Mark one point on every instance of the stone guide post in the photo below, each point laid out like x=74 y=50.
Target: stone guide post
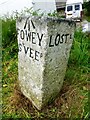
x=44 y=46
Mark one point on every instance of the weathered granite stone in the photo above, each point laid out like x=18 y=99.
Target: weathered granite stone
x=44 y=46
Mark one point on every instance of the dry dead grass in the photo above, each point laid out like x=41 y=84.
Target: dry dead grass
x=67 y=104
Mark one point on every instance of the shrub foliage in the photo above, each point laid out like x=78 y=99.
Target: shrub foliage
x=87 y=7
x=8 y=32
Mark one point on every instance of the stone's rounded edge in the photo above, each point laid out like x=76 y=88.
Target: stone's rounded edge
x=48 y=18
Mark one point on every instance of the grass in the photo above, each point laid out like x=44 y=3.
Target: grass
x=72 y=101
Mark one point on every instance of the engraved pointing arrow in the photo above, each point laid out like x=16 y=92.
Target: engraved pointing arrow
x=28 y=23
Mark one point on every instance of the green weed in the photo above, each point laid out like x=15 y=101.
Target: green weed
x=8 y=32
x=79 y=53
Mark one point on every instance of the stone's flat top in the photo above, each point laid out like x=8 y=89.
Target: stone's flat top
x=48 y=18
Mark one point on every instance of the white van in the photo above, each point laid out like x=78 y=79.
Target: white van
x=74 y=9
